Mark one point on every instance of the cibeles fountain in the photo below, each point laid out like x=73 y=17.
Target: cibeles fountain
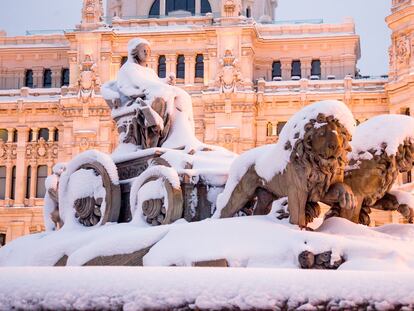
x=163 y=198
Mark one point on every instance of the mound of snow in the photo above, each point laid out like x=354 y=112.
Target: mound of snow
x=385 y=132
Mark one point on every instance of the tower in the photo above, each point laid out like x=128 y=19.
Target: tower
x=92 y=14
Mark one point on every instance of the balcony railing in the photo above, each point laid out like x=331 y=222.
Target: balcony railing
x=296 y=21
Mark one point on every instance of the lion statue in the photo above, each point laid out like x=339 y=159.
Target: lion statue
x=306 y=165
x=382 y=147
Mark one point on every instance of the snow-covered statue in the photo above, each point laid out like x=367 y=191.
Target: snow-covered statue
x=306 y=165
x=149 y=111
x=382 y=147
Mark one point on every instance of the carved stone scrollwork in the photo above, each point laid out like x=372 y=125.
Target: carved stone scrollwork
x=89 y=209
x=229 y=77
x=403 y=50
x=88 y=79
x=42 y=150
x=8 y=151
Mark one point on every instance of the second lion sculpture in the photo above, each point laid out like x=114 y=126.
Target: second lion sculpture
x=306 y=165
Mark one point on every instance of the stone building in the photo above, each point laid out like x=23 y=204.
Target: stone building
x=246 y=71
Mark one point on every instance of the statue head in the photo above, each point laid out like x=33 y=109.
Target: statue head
x=139 y=51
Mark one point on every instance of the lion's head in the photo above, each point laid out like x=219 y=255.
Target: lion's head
x=322 y=153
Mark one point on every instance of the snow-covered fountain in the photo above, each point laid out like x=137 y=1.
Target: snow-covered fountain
x=163 y=198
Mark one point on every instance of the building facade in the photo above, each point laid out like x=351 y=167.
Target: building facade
x=246 y=71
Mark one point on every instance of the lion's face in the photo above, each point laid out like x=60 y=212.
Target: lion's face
x=327 y=141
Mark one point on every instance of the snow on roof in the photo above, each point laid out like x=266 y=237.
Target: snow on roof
x=384 y=131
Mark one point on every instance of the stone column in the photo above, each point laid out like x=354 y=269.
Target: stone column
x=162 y=8
x=49 y=168
x=286 y=65
x=325 y=67
x=9 y=168
x=37 y=77
x=10 y=133
x=206 y=60
x=33 y=182
x=20 y=77
x=21 y=170
x=189 y=69
x=171 y=63
x=35 y=133
x=51 y=134
x=197 y=7
x=56 y=77
x=306 y=65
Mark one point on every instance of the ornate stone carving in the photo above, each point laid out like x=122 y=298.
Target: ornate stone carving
x=309 y=260
x=229 y=78
x=92 y=13
x=42 y=150
x=88 y=79
x=403 y=50
x=314 y=173
x=8 y=151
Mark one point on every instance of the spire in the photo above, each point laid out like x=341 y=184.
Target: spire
x=92 y=14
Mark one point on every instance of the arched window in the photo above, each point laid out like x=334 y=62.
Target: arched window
x=65 y=77
x=180 y=67
x=205 y=7
x=269 y=129
x=30 y=136
x=43 y=133
x=47 y=78
x=162 y=66
x=155 y=9
x=180 y=5
x=2 y=182
x=4 y=135
x=15 y=136
x=13 y=184
x=248 y=12
x=40 y=183
x=276 y=70
x=296 y=69
x=316 y=68
x=28 y=181
x=199 y=66
x=28 y=78
x=280 y=126
x=56 y=135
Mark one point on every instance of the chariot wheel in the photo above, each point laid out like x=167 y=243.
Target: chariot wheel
x=156 y=196
x=92 y=196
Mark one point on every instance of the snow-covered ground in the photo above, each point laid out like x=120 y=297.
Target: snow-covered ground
x=169 y=288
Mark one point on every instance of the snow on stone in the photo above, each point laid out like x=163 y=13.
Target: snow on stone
x=377 y=133
x=270 y=160
x=256 y=241
x=126 y=288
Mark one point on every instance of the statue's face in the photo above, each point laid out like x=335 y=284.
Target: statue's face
x=327 y=142
x=142 y=53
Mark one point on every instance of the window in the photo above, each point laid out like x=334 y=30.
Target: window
x=43 y=133
x=269 y=129
x=30 y=138
x=276 y=70
x=56 y=135
x=280 y=127
x=2 y=182
x=248 y=12
x=296 y=69
x=28 y=181
x=162 y=67
x=316 y=68
x=199 y=66
x=15 y=136
x=65 y=77
x=205 y=7
x=41 y=178
x=4 y=135
x=180 y=67
x=47 y=78
x=124 y=60
x=13 y=184
x=28 y=78
x=181 y=5
x=2 y=239
x=155 y=8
